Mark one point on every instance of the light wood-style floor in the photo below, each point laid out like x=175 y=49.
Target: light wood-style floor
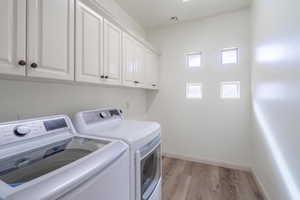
x=184 y=180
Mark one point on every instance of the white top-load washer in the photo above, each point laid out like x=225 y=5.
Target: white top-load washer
x=46 y=159
x=144 y=142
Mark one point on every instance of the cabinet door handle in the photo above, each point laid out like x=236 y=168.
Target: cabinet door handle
x=22 y=62
x=34 y=65
x=102 y=76
x=136 y=82
x=154 y=85
x=106 y=77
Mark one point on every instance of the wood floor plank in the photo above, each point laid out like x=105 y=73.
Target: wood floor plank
x=188 y=168
x=229 y=180
x=173 y=179
x=201 y=183
x=253 y=187
x=182 y=188
x=245 y=190
x=184 y=180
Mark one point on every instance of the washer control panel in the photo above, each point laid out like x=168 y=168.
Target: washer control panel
x=14 y=132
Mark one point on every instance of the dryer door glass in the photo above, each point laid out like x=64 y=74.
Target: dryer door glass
x=24 y=167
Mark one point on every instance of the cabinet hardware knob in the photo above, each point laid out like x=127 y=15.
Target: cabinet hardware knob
x=22 y=62
x=154 y=85
x=106 y=77
x=34 y=65
x=136 y=82
x=102 y=76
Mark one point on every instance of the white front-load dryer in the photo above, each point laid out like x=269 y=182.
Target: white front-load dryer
x=144 y=143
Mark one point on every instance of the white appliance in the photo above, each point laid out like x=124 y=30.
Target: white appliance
x=144 y=142
x=45 y=159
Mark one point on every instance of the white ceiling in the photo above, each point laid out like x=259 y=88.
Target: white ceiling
x=151 y=13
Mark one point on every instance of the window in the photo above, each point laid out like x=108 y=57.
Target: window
x=193 y=60
x=230 y=56
x=230 y=90
x=194 y=90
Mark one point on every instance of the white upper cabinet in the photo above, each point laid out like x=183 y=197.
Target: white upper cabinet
x=89 y=45
x=98 y=48
x=13 y=37
x=38 y=37
x=112 y=53
x=51 y=39
x=134 y=62
x=151 y=68
x=128 y=60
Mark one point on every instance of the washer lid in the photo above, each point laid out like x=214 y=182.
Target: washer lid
x=27 y=166
x=58 y=174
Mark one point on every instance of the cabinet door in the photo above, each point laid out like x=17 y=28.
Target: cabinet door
x=151 y=68
x=154 y=71
x=51 y=39
x=128 y=60
x=112 y=53
x=139 y=69
x=89 y=45
x=12 y=36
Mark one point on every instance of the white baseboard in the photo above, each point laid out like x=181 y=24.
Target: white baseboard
x=210 y=162
x=261 y=187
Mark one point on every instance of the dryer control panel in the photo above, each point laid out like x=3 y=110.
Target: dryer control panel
x=23 y=130
x=102 y=115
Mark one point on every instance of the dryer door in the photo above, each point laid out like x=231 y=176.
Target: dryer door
x=149 y=169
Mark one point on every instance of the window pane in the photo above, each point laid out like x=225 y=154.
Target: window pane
x=230 y=56
x=194 y=60
x=194 y=90
x=230 y=90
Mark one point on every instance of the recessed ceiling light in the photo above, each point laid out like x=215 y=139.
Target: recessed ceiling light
x=184 y=1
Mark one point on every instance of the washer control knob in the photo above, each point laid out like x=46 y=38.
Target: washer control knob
x=103 y=115
x=22 y=131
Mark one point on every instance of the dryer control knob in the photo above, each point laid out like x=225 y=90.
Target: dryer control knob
x=103 y=115
x=22 y=131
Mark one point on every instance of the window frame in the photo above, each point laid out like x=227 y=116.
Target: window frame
x=187 y=89
x=230 y=49
x=187 y=60
x=238 y=83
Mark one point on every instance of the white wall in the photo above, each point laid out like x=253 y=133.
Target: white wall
x=123 y=17
x=210 y=129
x=276 y=96
x=21 y=99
